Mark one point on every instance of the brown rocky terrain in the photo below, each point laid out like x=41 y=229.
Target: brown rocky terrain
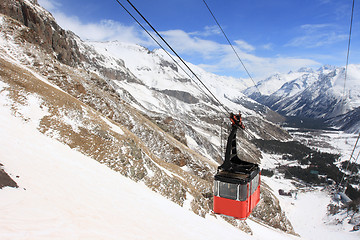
x=85 y=110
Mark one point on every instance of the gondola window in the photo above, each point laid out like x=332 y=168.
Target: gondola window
x=228 y=190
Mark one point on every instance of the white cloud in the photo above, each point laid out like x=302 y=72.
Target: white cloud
x=49 y=4
x=193 y=46
x=268 y=46
x=185 y=43
x=244 y=46
x=258 y=67
x=207 y=31
x=220 y=58
x=317 y=35
x=105 y=30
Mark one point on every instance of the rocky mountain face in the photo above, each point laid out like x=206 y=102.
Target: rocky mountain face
x=45 y=32
x=313 y=94
x=348 y=122
x=127 y=107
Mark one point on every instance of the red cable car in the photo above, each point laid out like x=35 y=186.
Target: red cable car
x=237 y=182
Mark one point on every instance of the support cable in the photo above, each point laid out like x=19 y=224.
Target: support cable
x=179 y=57
x=351 y=171
x=233 y=48
x=357 y=157
x=357 y=140
x=348 y=49
x=168 y=45
x=157 y=42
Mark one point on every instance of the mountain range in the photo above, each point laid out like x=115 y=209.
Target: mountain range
x=129 y=108
x=323 y=95
x=137 y=112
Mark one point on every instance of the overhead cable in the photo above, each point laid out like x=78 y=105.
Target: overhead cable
x=157 y=42
x=348 y=49
x=168 y=45
x=357 y=140
x=233 y=48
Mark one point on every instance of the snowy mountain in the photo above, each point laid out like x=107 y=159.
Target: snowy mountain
x=126 y=107
x=312 y=94
x=78 y=117
x=74 y=197
x=348 y=122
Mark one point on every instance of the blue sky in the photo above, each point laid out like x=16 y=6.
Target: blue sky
x=270 y=36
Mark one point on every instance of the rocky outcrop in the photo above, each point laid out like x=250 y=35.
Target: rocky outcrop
x=45 y=31
x=42 y=30
x=6 y=180
x=153 y=149
x=182 y=96
x=269 y=212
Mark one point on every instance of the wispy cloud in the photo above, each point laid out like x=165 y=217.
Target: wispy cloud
x=259 y=67
x=244 y=45
x=268 y=46
x=49 y=4
x=186 y=43
x=105 y=30
x=195 y=47
x=207 y=31
x=220 y=58
x=317 y=35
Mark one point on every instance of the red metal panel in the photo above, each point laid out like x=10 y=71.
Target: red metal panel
x=254 y=199
x=236 y=209
x=229 y=207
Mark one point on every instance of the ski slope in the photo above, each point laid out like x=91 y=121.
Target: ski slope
x=308 y=212
x=63 y=194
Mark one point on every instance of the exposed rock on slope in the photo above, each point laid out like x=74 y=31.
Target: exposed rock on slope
x=83 y=128
x=5 y=179
x=150 y=133
x=43 y=30
x=348 y=122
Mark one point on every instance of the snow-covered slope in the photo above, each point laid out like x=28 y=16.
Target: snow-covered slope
x=162 y=88
x=167 y=139
x=312 y=94
x=63 y=194
x=308 y=212
x=157 y=71
x=138 y=116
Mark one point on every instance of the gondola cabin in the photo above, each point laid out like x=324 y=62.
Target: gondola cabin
x=236 y=193
x=237 y=182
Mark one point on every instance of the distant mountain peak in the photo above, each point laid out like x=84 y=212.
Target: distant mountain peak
x=305 y=70
x=326 y=67
x=311 y=94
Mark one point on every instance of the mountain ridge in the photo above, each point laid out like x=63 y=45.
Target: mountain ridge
x=100 y=112
x=312 y=94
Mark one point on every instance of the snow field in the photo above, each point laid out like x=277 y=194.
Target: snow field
x=63 y=194
x=307 y=213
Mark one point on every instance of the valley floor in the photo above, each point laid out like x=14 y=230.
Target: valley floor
x=336 y=142
x=307 y=212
